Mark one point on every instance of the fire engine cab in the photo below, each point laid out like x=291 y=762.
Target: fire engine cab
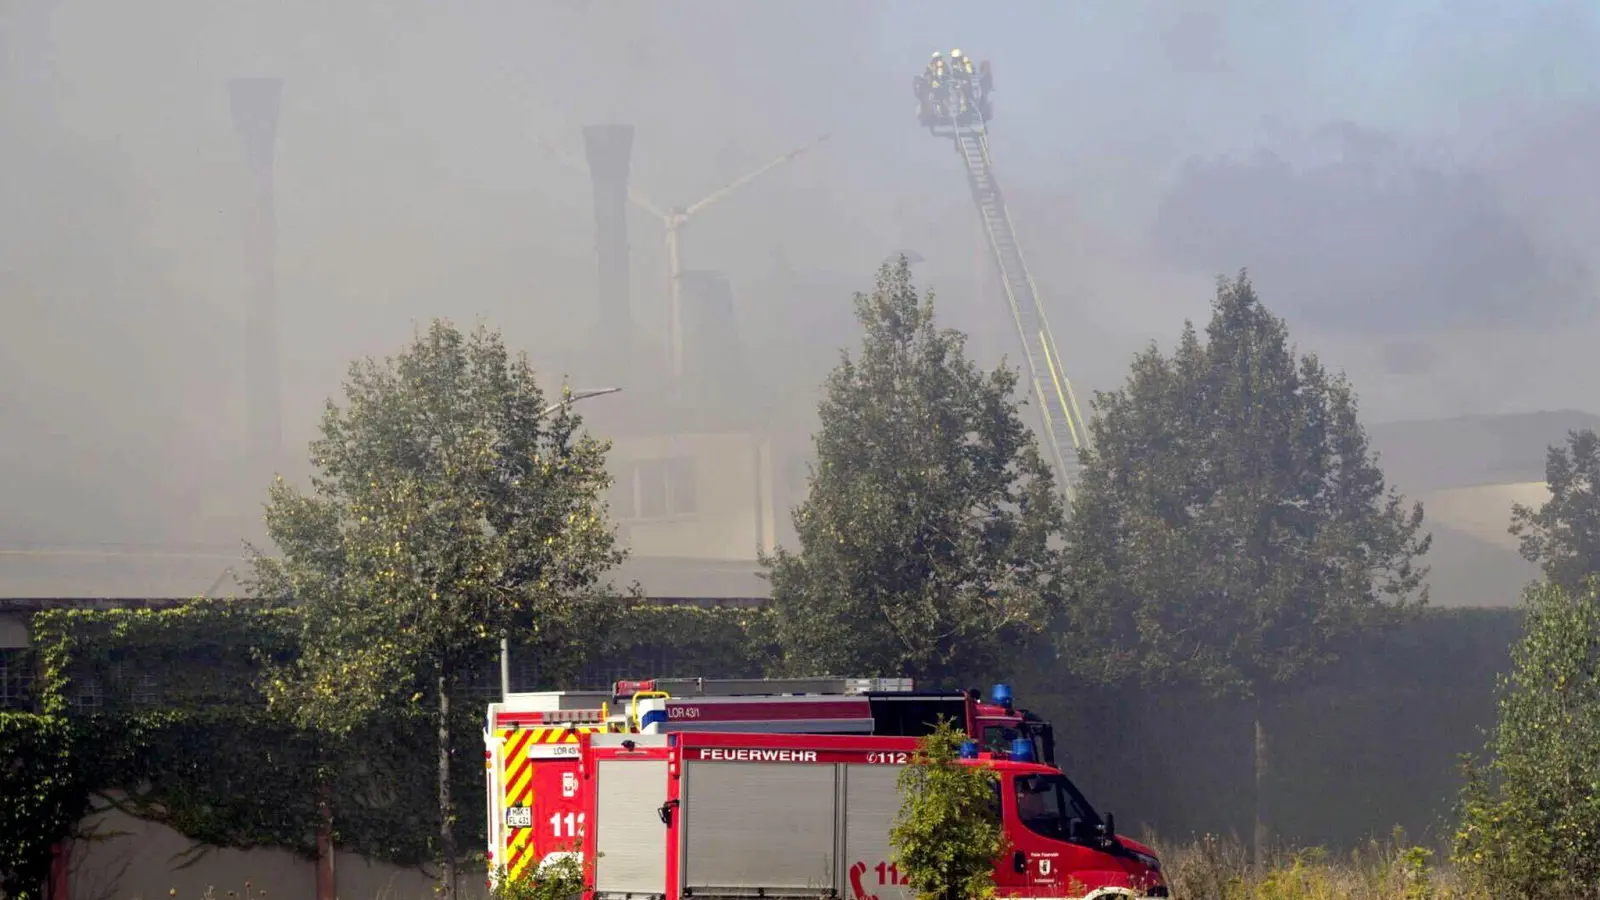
x=727 y=815
x=534 y=802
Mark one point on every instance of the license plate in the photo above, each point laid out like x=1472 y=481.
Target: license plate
x=519 y=817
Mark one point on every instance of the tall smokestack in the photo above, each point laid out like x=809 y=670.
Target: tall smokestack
x=609 y=149
x=255 y=103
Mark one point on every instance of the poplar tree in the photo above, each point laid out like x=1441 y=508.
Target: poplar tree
x=925 y=539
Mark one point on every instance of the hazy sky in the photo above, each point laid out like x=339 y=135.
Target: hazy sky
x=1413 y=183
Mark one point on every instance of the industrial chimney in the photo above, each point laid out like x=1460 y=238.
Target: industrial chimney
x=255 y=104
x=609 y=149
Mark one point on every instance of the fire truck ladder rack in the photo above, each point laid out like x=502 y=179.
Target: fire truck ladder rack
x=686 y=688
x=1063 y=423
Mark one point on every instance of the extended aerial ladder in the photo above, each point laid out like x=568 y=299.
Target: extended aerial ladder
x=1064 y=431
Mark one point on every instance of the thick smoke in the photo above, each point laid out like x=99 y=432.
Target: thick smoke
x=411 y=185
x=1375 y=240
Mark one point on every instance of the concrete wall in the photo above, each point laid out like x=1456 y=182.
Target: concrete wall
x=130 y=859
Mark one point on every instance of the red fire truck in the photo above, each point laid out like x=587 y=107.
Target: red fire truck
x=531 y=739
x=727 y=815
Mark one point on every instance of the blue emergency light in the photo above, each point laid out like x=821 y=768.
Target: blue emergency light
x=1022 y=749
x=969 y=749
x=1000 y=694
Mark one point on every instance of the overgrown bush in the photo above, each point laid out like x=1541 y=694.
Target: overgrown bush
x=947 y=833
x=562 y=878
x=1530 y=817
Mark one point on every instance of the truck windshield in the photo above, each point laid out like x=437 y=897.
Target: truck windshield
x=1051 y=806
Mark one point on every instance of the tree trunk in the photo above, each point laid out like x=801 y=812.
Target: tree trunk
x=326 y=886
x=447 y=841
x=1262 y=832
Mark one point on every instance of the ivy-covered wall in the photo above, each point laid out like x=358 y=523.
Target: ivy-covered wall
x=158 y=712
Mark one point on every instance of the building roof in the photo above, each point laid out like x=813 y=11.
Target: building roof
x=124 y=571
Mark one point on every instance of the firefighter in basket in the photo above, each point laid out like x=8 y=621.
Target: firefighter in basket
x=930 y=86
x=962 y=95
x=954 y=90
x=960 y=64
x=974 y=83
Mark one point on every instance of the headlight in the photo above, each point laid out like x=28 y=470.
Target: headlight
x=1148 y=860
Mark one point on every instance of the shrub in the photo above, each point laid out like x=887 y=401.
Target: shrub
x=1530 y=818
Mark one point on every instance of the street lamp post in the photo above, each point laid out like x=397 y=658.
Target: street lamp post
x=505 y=639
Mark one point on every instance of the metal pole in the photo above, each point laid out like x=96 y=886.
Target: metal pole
x=505 y=639
x=505 y=666
x=675 y=307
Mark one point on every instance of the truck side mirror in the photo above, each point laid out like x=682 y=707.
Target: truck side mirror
x=1019 y=861
x=1111 y=825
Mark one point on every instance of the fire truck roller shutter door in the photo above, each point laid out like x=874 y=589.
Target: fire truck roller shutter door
x=872 y=798
x=759 y=825
x=629 y=838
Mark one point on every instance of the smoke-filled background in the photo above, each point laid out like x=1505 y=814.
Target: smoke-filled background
x=1412 y=183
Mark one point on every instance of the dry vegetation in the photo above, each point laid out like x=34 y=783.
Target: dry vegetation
x=1214 y=868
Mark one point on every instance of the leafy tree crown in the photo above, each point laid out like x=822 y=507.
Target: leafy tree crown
x=1231 y=527
x=926 y=534
x=447 y=507
x=1563 y=534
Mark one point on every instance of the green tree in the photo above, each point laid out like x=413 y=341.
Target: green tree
x=1563 y=534
x=1231 y=529
x=448 y=507
x=43 y=795
x=947 y=835
x=925 y=537
x=1531 y=817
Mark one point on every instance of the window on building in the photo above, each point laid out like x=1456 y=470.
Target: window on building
x=654 y=489
x=90 y=694
x=144 y=687
x=16 y=679
x=678 y=474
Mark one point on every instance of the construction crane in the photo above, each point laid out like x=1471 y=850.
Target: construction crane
x=1064 y=431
